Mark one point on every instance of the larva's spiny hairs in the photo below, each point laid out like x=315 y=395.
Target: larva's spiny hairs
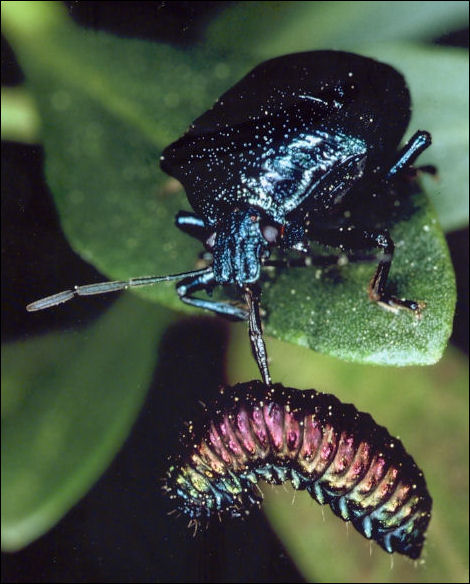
x=339 y=455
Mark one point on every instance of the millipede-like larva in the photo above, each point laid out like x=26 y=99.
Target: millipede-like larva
x=341 y=456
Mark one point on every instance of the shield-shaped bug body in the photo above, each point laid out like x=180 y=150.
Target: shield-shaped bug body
x=271 y=162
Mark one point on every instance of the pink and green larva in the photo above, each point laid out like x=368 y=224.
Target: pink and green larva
x=339 y=455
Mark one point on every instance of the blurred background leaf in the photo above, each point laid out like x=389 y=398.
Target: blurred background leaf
x=20 y=119
x=275 y=28
x=61 y=426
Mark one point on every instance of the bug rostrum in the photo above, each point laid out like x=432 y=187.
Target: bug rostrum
x=271 y=162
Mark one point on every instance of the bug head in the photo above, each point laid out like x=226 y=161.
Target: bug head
x=241 y=241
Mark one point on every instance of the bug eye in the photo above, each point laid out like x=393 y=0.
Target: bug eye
x=270 y=233
x=210 y=241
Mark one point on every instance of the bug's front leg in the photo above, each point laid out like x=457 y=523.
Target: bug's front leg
x=355 y=238
x=205 y=281
x=193 y=225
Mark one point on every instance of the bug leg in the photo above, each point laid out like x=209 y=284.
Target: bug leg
x=354 y=238
x=192 y=225
x=427 y=169
x=410 y=152
x=377 y=291
x=252 y=295
x=205 y=281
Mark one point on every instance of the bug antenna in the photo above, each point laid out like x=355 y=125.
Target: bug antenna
x=105 y=287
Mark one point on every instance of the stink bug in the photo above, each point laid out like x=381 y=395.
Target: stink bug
x=270 y=164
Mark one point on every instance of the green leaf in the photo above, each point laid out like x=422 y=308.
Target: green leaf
x=20 y=118
x=427 y=408
x=105 y=121
x=269 y=29
x=68 y=402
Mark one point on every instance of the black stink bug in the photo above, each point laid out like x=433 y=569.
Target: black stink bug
x=272 y=161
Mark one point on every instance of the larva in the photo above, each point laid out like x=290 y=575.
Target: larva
x=339 y=455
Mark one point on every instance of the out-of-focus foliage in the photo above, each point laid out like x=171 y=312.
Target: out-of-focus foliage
x=68 y=402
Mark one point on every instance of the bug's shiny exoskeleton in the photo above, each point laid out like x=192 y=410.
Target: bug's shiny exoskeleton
x=272 y=163
x=277 y=434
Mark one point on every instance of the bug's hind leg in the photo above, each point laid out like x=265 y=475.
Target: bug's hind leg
x=377 y=286
x=355 y=238
x=205 y=281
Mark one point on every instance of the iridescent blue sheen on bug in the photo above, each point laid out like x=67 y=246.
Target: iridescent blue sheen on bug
x=277 y=434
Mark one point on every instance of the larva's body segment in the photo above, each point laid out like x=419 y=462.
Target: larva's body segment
x=339 y=455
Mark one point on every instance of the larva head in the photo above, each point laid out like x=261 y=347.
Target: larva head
x=190 y=490
x=200 y=493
